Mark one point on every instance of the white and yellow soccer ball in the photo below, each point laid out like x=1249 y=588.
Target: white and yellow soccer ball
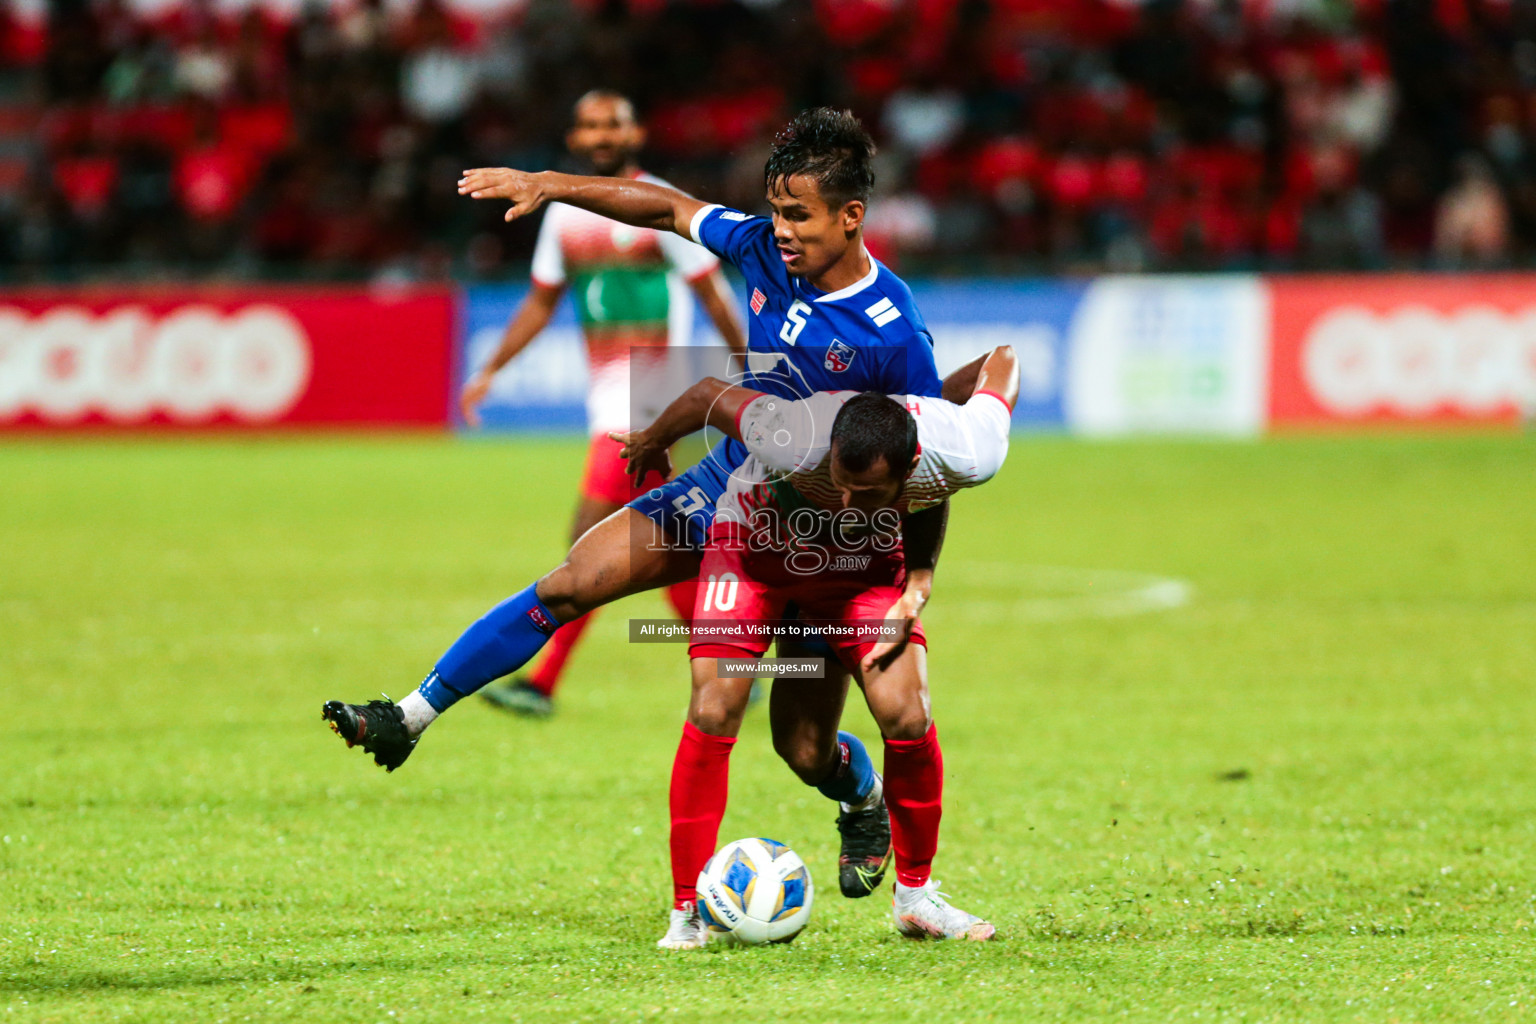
x=755 y=891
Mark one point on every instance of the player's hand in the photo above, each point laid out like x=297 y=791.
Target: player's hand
x=644 y=456
x=904 y=612
x=470 y=398
x=521 y=189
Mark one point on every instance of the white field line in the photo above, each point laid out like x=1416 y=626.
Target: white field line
x=1050 y=593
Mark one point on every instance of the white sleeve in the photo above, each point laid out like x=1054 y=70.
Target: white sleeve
x=786 y=435
x=961 y=446
x=548 y=259
x=698 y=221
x=989 y=419
x=690 y=259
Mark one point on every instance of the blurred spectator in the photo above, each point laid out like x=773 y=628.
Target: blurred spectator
x=1472 y=223
x=923 y=117
x=1341 y=227
x=1360 y=113
x=212 y=174
x=437 y=78
x=157 y=137
x=364 y=27
x=204 y=67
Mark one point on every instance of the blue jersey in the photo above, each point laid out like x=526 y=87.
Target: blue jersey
x=868 y=336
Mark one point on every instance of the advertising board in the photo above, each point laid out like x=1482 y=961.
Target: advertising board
x=1402 y=349
x=224 y=358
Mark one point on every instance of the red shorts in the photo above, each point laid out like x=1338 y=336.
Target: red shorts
x=607 y=475
x=740 y=589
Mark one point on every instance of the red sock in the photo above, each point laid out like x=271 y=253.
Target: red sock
x=682 y=595
x=700 y=776
x=546 y=674
x=914 y=792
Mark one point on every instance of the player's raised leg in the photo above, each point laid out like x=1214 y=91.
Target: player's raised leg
x=804 y=716
x=533 y=694
x=914 y=789
x=624 y=554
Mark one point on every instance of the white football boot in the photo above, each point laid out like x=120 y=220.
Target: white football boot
x=924 y=913
x=684 y=930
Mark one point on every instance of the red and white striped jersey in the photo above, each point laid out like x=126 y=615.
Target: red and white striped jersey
x=629 y=288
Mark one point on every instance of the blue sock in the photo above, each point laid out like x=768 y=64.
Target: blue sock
x=503 y=640
x=854 y=777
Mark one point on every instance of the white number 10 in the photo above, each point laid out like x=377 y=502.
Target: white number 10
x=720 y=594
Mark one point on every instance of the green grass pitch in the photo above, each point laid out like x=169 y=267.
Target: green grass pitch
x=1233 y=732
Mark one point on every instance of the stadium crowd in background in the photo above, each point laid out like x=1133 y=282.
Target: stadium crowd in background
x=1016 y=135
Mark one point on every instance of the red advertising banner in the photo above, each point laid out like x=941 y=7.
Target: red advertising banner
x=225 y=358
x=1402 y=349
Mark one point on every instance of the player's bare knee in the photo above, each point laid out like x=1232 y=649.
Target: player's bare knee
x=717 y=705
x=805 y=757
x=905 y=724
x=556 y=591
x=568 y=591
x=715 y=715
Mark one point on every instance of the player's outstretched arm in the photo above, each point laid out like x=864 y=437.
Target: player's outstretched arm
x=711 y=401
x=639 y=203
x=532 y=316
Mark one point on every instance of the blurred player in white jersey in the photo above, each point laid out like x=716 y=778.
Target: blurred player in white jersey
x=631 y=290
x=813 y=517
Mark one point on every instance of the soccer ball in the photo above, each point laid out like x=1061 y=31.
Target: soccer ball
x=756 y=891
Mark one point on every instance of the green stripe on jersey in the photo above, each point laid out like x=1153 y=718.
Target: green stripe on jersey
x=621 y=295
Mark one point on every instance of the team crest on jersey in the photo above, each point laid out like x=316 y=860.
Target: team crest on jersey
x=758 y=299
x=839 y=356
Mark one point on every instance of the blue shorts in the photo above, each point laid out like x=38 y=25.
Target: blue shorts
x=685 y=506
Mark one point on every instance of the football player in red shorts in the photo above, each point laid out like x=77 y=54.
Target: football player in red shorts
x=813 y=518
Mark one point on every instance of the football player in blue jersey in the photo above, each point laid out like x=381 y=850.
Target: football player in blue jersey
x=825 y=315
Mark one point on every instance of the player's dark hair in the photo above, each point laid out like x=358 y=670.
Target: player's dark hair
x=831 y=148
x=871 y=426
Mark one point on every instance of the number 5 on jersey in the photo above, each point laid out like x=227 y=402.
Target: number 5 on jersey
x=694 y=501
x=794 y=322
